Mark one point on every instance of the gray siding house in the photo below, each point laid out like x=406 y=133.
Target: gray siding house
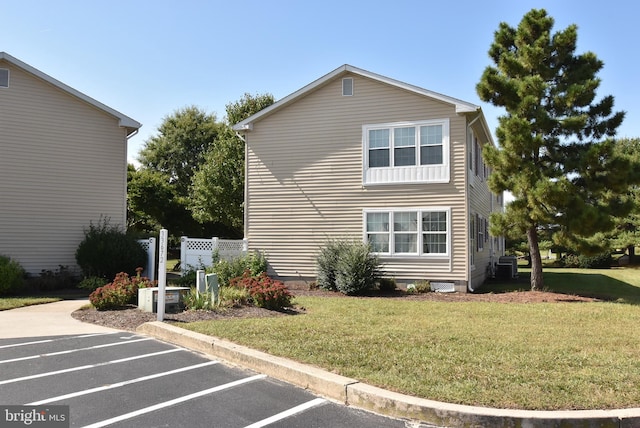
x=63 y=163
x=359 y=155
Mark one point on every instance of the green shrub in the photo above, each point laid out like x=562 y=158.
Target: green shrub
x=357 y=270
x=106 y=250
x=122 y=291
x=187 y=279
x=11 y=276
x=570 y=261
x=198 y=301
x=423 y=286
x=327 y=262
x=599 y=261
x=265 y=291
x=347 y=266
x=226 y=270
x=256 y=262
x=92 y=283
x=49 y=280
x=234 y=296
x=387 y=285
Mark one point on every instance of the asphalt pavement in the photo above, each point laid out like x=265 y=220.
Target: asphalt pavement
x=120 y=379
x=53 y=321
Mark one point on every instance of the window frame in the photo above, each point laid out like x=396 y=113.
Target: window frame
x=347 y=87
x=391 y=233
x=480 y=225
x=416 y=173
x=6 y=76
x=472 y=242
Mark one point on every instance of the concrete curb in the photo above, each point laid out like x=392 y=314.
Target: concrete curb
x=354 y=393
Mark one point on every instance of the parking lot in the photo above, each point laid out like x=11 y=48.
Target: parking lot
x=122 y=380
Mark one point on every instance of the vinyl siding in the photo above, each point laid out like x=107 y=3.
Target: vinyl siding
x=62 y=165
x=481 y=202
x=304 y=177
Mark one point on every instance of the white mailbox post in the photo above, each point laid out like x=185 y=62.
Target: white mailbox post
x=162 y=272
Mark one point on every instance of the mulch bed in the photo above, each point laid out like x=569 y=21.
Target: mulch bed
x=130 y=317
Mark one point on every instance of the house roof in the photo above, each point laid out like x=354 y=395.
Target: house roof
x=124 y=121
x=460 y=106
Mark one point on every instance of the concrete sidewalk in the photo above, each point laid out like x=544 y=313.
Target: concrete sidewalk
x=51 y=319
x=55 y=319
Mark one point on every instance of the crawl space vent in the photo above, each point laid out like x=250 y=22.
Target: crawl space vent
x=443 y=287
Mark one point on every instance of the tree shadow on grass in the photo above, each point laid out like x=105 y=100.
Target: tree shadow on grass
x=591 y=284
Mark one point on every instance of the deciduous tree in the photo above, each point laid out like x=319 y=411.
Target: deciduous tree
x=218 y=185
x=159 y=192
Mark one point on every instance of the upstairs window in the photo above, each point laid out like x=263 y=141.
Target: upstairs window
x=406 y=152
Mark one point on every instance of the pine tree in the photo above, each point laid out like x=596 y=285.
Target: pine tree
x=556 y=149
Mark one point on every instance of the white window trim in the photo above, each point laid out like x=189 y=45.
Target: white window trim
x=406 y=174
x=419 y=232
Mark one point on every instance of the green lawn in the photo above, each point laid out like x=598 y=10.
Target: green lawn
x=528 y=356
x=18 y=302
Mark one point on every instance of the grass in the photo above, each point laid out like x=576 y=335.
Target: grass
x=617 y=284
x=543 y=356
x=18 y=302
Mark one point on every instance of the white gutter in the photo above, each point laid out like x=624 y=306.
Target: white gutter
x=245 y=217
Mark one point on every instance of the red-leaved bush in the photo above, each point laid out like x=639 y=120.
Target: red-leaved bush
x=122 y=291
x=265 y=291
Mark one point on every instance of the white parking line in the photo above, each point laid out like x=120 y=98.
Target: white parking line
x=119 y=384
x=36 y=342
x=282 y=415
x=71 y=351
x=173 y=402
x=73 y=369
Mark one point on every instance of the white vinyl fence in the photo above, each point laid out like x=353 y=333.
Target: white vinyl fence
x=150 y=246
x=198 y=252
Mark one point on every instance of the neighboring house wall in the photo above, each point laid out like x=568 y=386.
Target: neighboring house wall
x=305 y=179
x=62 y=166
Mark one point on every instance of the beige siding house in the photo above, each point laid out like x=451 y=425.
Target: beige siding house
x=361 y=156
x=62 y=165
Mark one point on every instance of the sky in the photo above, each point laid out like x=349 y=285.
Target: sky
x=149 y=58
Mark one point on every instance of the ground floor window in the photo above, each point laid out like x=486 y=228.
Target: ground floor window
x=416 y=232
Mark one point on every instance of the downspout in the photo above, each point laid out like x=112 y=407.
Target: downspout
x=126 y=186
x=245 y=217
x=468 y=204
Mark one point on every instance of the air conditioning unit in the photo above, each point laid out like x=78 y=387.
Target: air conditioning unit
x=507 y=267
